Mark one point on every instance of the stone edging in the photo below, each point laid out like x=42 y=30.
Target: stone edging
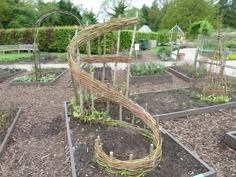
x=230 y=139
x=210 y=173
x=14 y=83
x=9 y=132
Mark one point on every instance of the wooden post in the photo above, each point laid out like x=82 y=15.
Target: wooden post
x=104 y=53
x=92 y=95
x=195 y=59
x=120 y=110
x=151 y=148
x=177 y=55
x=111 y=155
x=130 y=54
x=108 y=101
x=133 y=119
x=131 y=157
x=117 y=53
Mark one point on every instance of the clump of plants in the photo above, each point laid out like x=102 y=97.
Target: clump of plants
x=231 y=57
x=88 y=115
x=31 y=78
x=147 y=69
x=192 y=71
x=164 y=53
x=3 y=119
x=211 y=98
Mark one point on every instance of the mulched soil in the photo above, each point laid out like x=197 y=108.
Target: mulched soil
x=38 y=146
x=174 y=159
x=204 y=134
x=172 y=100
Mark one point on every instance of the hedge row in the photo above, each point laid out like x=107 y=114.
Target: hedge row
x=56 y=39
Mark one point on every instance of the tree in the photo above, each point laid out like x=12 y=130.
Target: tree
x=114 y=8
x=132 y=13
x=89 y=16
x=145 y=10
x=185 y=12
x=200 y=27
x=228 y=8
x=153 y=15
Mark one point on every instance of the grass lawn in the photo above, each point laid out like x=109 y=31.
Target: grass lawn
x=12 y=57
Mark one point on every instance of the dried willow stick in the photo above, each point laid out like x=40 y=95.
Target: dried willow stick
x=130 y=54
x=104 y=53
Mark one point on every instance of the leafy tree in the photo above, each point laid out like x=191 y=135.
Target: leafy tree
x=132 y=13
x=89 y=16
x=228 y=8
x=3 y=10
x=145 y=10
x=185 y=12
x=153 y=15
x=114 y=8
x=200 y=27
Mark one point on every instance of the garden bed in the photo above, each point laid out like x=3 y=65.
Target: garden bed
x=7 y=73
x=57 y=73
x=7 y=124
x=146 y=73
x=154 y=79
x=230 y=139
x=98 y=72
x=175 y=103
x=176 y=159
x=187 y=73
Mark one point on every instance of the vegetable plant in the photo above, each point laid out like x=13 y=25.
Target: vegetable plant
x=211 y=98
x=191 y=71
x=147 y=69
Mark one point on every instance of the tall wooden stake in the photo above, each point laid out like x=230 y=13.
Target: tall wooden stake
x=130 y=54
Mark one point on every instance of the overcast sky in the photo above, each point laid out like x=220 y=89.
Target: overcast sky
x=95 y=4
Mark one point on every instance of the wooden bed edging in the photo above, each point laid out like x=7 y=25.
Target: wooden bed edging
x=9 y=132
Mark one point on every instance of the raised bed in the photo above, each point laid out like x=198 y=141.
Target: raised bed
x=230 y=139
x=9 y=73
x=15 y=83
x=177 y=160
x=177 y=103
x=182 y=75
x=7 y=131
x=154 y=79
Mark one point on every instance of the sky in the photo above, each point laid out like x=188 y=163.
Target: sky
x=95 y=4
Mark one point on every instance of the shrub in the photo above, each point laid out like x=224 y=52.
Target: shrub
x=232 y=56
x=147 y=69
x=164 y=50
x=231 y=43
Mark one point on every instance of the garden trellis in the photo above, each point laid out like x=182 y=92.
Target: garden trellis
x=86 y=83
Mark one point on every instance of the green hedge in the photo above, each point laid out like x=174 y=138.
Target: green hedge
x=56 y=39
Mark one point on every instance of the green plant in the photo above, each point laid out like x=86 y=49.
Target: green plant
x=88 y=116
x=147 y=69
x=192 y=71
x=13 y=57
x=3 y=118
x=211 y=98
x=164 y=53
x=26 y=78
x=47 y=78
x=231 y=57
x=231 y=43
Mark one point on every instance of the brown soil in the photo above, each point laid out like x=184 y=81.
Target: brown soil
x=124 y=142
x=171 y=101
x=38 y=146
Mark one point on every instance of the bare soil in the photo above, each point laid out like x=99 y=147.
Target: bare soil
x=38 y=146
x=172 y=100
x=124 y=142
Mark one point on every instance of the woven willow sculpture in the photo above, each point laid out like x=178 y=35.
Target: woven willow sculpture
x=216 y=82
x=36 y=51
x=87 y=82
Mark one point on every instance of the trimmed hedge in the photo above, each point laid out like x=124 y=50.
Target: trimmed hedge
x=56 y=39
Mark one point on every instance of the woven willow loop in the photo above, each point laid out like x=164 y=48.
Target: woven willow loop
x=96 y=86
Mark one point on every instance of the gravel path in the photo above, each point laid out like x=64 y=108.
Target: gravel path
x=38 y=146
